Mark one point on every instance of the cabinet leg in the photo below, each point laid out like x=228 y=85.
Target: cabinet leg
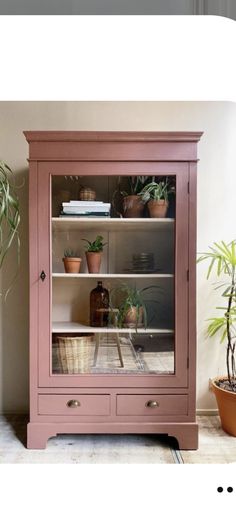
x=187 y=436
x=38 y=435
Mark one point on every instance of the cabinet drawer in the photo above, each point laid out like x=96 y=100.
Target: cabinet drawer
x=74 y=404
x=151 y=404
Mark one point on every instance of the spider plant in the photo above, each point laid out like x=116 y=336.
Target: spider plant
x=155 y=191
x=222 y=258
x=9 y=212
x=127 y=298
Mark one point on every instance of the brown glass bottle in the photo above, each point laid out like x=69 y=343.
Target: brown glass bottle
x=99 y=306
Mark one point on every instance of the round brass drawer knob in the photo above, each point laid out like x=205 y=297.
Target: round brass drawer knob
x=73 y=403
x=152 y=404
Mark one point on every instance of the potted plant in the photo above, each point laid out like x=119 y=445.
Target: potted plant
x=71 y=261
x=222 y=258
x=156 y=196
x=131 y=203
x=93 y=253
x=9 y=214
x=130 y=306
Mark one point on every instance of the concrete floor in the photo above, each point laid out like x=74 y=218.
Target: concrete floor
x=215 y=446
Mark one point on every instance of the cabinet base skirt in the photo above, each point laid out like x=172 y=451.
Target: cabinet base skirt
x=185 y=433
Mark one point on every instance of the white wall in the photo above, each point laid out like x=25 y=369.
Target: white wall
x=216 y=209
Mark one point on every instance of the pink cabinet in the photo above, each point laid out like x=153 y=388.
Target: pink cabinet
x=136 y=372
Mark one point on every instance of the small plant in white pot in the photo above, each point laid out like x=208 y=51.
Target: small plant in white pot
x=71 y=261
x=222 y=259
x=156 y=196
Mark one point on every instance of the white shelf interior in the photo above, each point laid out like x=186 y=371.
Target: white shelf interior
x=71 y=298
x=124 y=238
x=111 y=224
x=113 y=275
x=74 y=327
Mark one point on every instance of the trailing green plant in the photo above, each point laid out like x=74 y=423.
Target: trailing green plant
x=155 y=191
x=9 y=213
x=96 y=245
x=127 y=297
x=222 y=259
x=69 y=252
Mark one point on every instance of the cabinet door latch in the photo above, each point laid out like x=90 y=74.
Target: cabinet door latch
x=42 y=275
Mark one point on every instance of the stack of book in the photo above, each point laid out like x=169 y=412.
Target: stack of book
x=84 y=208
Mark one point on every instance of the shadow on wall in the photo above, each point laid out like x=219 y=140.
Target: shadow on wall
x=14 y=371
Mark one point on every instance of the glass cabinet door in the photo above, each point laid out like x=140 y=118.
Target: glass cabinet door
x=116 y=292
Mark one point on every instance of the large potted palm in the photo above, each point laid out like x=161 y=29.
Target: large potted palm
x=9 y=213
x=222 y=259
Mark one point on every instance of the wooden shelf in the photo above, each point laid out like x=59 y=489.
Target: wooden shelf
x=113 y=275
x=72 y=327
x=111 y=224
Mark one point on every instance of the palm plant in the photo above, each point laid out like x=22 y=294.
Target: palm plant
x=9 y=212
x=222 y=258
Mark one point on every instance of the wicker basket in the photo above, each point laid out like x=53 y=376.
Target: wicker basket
x=74 y=354
x=87 y=194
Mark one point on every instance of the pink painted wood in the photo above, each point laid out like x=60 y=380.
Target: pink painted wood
x=112 y=153
x=85 y=404
x=152 y=404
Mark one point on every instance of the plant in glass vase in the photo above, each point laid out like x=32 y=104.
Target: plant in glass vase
x=222 y=259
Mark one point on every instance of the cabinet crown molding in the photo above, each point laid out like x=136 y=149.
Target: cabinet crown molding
x=113 y=136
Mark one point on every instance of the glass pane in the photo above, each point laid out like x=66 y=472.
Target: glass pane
x=116 y=317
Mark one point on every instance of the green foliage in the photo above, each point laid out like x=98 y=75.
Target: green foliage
x=96 y=245
x=222 y=260
x=155 y=191
x=127 y=297
x=69 y=252
x=9 y=215
x=9 y=211
x=136 y=184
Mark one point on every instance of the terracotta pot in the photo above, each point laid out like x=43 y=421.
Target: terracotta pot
x=72 y=264
x=226 y=402
x=158 y=208
x=134 y=317
x=132 y=206
x=93 y=261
